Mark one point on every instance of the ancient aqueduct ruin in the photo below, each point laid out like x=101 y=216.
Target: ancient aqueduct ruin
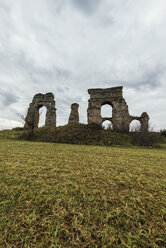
x=98 y=97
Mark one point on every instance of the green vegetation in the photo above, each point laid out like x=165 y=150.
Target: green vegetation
x=83 y=134
x=59 y=195
x=80 y=134
x=90 y=135
x=10 y=134
x=163 y=132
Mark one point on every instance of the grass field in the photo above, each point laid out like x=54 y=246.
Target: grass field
x=57 y=195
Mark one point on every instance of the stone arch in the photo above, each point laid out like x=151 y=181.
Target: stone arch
x=120 y=115
x=42 y=116
x=135 y=125
x=106 y=102
x=40 y=100
x=144 y=121
x=107 y=125
x=112 y=96
x=106 y=109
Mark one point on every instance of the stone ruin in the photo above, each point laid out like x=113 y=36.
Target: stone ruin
x=120 y=119
x=120 y=115
x=74 y=115
x=40 y=100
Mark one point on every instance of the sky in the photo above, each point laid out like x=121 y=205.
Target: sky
x=68 y=46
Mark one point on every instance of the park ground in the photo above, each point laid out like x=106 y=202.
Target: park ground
x=61 y=195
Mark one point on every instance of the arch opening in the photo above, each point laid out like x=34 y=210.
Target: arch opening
x=42 y=116
x=107 y=125
x=106 y=110
x=135 y=126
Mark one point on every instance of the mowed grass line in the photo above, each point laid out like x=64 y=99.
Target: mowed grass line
x=56 y=195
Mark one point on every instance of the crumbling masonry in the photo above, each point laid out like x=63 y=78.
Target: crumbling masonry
x=98 y=97
x=40 y=100
x=120 y=115
x=74 y=115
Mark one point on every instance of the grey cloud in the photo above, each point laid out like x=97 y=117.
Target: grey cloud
x=67 y=100
x=37 y=74
x=42 y=76
x=57 y=5
x=107 y=21
x=66 y=47
x=61 y=89
x=4 y=6
x=152 y=76
x=8 y=98
x=62 y=73
x=87 y=6
x=149 y=77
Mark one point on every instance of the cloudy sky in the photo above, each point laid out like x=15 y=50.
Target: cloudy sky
x=68 y=46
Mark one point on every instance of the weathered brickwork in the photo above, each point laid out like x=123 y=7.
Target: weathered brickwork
x=120 y=119
x=40 y=100
x=74 y=115
x=120 y=115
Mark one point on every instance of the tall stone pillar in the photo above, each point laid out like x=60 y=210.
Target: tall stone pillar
x=144 y=122
x=74 y=115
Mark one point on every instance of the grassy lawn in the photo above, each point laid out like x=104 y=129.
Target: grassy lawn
x=57 y=195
